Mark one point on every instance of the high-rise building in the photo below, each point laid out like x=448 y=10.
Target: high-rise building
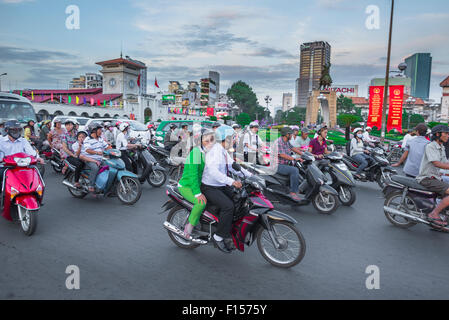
x=313 y=57
x=419 y=68
x=287 y=101
x=215 y=77
x=208 y=93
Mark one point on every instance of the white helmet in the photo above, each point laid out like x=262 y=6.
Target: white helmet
x=368 y=128
x=123 y=126
x=356 y=130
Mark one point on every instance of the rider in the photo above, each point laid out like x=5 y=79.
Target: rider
x=216 y=125
x=123 y=145
x=68 y=140
x=216 y=184
x=55 y=135
x=429 y=176
x=170 y=137
x=94 y=146
x=282 y=150
x=75 y=157
x=358 y=152
x=109 y=133
x=13 y=143
x=45 y=130
x=190 y=182
x=366 y=137
x=318 y=146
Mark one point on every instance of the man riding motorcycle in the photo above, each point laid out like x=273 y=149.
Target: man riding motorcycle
x=69 y=138
x=433 y=161
x=216 y=184
x=282 y=150
x=94 y=146
x=170 y=139
x=123 y=145
x=13 y=143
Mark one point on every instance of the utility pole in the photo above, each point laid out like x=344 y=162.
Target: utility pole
x=384 y=109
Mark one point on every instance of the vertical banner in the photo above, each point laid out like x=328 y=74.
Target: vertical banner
x=376 y=96
x=395 y=110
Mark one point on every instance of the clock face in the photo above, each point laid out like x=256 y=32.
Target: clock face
x=131 y=83
x=112 y=82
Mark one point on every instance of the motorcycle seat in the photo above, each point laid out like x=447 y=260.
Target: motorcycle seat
x=408 y=182
x=282 y=178
x=351 y=161
x=212 y=208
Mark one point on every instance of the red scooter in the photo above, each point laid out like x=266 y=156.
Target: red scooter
x=23 y=191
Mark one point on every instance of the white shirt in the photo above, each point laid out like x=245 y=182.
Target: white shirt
x=95 y=145
x=214 y=174
x=407 y=137
x=367 y=138
x=121 y=142
x=8 y=147
x=252 y=139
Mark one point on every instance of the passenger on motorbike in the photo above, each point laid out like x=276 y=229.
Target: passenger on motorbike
x=94 y=146
x=216 y=184
x=170 y=138
x=45 y=130
x=55 y=136
x=2 y=128
x=281 y=153
x=358 y=152
x=190 y=183
x=433 y=161
x=109 y=133
x=366 y=137
x=123 y=145
x=13 y=143
x=75 y=158
x=69 y=138
x=318 y=145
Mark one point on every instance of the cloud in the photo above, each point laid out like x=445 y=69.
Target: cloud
x=31 y=56
x=271 y=52
x=16 y=1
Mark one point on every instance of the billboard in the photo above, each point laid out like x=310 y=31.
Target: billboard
x=346 y=90
x=168 y=99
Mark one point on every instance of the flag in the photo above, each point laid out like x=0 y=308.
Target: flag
x=77 y=100
x=110 y=103
x=138 y=81
x=70 y=99
x=21 y=93
x=155 y=82
x=104 y=103
x=52 y=96
x=92 y=101
x=84 y=100
x=32 y=95
x=98 y=102
x=60 y=99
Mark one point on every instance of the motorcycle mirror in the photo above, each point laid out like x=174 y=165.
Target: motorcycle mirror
x=236 y=166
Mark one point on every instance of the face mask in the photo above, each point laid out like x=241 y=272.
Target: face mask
x=359 y=135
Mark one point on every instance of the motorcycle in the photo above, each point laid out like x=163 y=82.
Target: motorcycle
x=378 y=169
x=150 y=169
x=395 y=153
x=312 y=185
x=174 y=165
x=408 y=203
x=54 y=156
x=23 y=191
x=341 y=178
x=255 y=220
x=112 y=179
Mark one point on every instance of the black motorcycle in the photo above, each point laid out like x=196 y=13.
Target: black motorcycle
x=255 y=220
x=312 y=185
x=378 y=169
x=174 y=166
x=340 y=177
x=146 y=167
x=408 y=203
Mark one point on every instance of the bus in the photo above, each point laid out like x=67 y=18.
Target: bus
x=13 y=106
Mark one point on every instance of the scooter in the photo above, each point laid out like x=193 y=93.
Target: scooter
x=23 y=191
x=112 y=179
x=149 y=168
x=255 y=220
x=54 y=156
x=408 y=203
x=312 y=185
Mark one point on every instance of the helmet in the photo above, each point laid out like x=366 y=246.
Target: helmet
x=184 y=125
x=440 y=128
x=70 y=120
x=94 y=126
x=305 y=130
x=295 y=128
x=200 y=133
x=81 y=132
x=368 y=128
x=224 y=132
x=13 y=129
x=236 y=126
x=123 y=126
x=285 y=131
x=57 y=120
x=357 y=130
x=173 y=126
x=117 y=123
x=107 y=124
x=46 y=122
x=216 y=124
x=149 y=126
x=254 y=125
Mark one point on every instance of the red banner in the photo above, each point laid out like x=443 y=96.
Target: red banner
x=376 y=97
x=210 y=112
x=395 y=110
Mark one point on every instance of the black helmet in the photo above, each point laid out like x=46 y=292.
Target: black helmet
x=13 y=129
x=440 y=128
x=94 y=126
x=216 y=124
x=173 y=126
x=184 y=125
x=286 y=130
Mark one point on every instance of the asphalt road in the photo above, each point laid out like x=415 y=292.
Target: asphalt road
x=125 y=253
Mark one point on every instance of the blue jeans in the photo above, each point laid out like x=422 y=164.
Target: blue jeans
x=293 y=172
x=362 y=159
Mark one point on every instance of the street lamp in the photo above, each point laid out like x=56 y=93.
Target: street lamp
x=3 y=74
x=267 y=100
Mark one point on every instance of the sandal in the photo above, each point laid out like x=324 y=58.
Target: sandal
x=437 y=222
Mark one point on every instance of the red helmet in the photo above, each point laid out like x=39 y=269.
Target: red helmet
x=117 y=123
x=150 y=126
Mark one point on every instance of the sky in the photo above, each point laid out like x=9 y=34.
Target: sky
x=256 y=41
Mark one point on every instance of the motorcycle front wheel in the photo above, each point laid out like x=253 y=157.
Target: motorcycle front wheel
x=292 y=245
x=157 y=178
x=346 y=195
x=28 y=220
x=325 y=202
x=129 y=190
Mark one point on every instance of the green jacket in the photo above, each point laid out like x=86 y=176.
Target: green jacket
x=193 y=171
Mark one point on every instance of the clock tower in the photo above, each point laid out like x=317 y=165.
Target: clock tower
x=120 y=76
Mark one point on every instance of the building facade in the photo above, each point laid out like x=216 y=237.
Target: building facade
x=313 y=57
x=215 y=77
x=419 y=69
x=287 y=101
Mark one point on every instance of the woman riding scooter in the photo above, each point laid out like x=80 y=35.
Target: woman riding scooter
x=358 y=152
x=190 y=182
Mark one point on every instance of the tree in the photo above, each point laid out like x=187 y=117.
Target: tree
x=416 y=119
x=345 y=105
x=244 y=97
x=226 y=118
x=243 y=119
x=345 y=120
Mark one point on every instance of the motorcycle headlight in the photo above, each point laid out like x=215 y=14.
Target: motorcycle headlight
x=14 y=192
x=341 y=166
x=22 y=162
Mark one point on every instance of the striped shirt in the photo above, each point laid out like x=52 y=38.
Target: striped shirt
x=94 y=145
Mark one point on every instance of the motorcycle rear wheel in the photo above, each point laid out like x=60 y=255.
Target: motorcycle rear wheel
x=389 y=202
x=77 y=193
x=280 y=257
x=157 y=178
x=326 y=206
x=131 y=185
x=56 y=168
x=178 y=217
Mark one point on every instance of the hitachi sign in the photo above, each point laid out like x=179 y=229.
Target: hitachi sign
x=346 y=90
